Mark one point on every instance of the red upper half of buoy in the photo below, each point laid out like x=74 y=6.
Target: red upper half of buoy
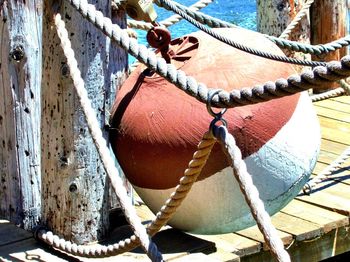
x=156 y=127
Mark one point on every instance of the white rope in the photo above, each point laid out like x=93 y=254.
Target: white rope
x=303 y=12
x=328 y=94
x=100 y=142
x=251 y=194
x=170 y=20
x=328 y=171
x=118 y=4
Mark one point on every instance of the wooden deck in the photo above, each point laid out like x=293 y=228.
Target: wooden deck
x=313 y=227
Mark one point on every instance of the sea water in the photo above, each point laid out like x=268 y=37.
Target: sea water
x=242 y=13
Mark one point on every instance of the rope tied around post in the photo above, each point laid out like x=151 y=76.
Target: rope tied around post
x=108 y=162
x=214 y=97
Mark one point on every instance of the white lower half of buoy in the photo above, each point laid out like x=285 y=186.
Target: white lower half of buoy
x=279 y=169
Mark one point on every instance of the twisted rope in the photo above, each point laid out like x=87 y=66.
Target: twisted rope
x=251 y=194
x=345 y=85
x=328 y=94
x=149 y=247
x=301 y=14
x=311 y=49
x=201 y=17
x=131 y=33
x=117 y=4
x=169 y=21
x=175 y=8
x=343 y=89
x=317 y=77
x=282 y=43
x=191 y=174
x=328 y=171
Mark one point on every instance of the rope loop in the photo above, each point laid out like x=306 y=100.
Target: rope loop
x=307 y=189
x=218 y=117
x=211 y=94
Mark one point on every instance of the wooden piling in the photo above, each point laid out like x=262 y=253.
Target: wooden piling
x=75 y=191
x=273 y=17
x=20 y=80
x=328 y=23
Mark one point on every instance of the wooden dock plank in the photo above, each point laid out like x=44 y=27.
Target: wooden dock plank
x=198 y=257
x=319 y=168
x=335 y=131
x=332 y=104
x=328 y=220
x=222 y=255
x=328 y=245
x=336 y=135
x=342 y=99
x=234 y=243
x=336 y=124
x=326 y=157
x=333 y=113
x=333 y=147
x=255 y=234
x=9 y=233
x=299 y=228
x=28 y=250
x=331 y=195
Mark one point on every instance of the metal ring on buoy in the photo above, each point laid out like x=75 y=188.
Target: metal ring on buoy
x=211 y=95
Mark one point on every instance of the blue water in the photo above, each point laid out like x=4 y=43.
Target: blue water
x=242 y=13
x=239 y=12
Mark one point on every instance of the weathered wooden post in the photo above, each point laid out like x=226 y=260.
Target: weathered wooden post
x=75 y=191
x=273 y=17
x=328 y=23
x=20 y=80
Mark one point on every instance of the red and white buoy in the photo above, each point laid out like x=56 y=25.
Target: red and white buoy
x=157 y=128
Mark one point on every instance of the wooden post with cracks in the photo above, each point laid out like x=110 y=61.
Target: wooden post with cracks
x=328 y=23
x=273 y=17
x=20 y=80
x=75 y=189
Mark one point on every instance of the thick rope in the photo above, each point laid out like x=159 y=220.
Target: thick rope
x=317 y=77
x=131 y=33
x=344 y=89
x=117 y=4
x=108 y=162
x=191 y=174
x=175 y=8
x=345 y=85
x=311 y=49
x=251 y=194
x=282 y=43
x=327 y=172
x=201 y=17
x=301 y=14
x=169 y=21
x=328 y=94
